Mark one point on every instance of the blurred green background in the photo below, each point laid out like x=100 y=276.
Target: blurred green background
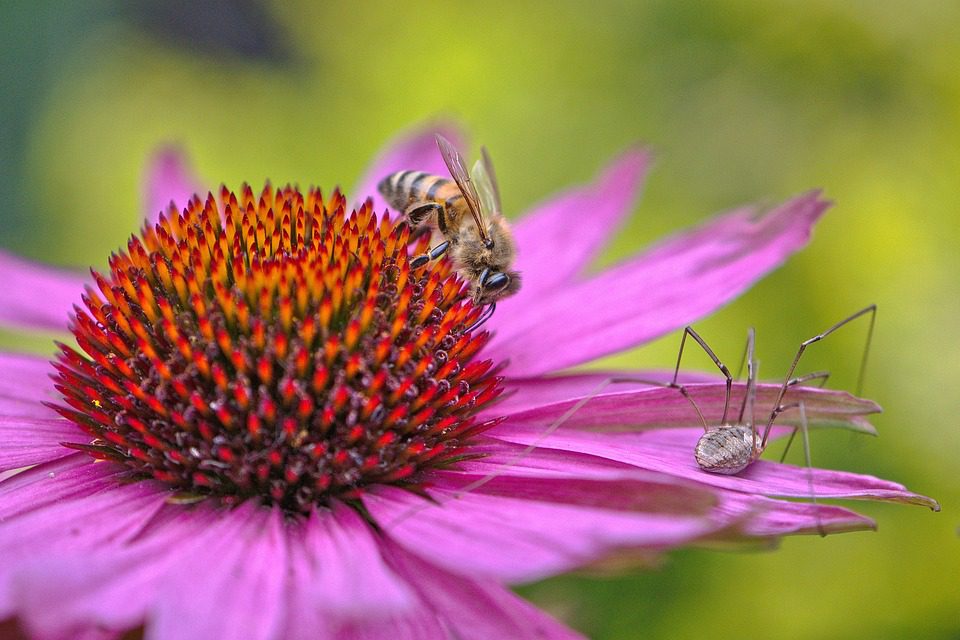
x=743 y=101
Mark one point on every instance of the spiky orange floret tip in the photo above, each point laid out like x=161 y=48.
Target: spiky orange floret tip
x=276 y=346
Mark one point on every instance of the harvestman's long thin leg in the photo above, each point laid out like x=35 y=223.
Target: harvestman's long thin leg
x=688 y=331
x=743 y=358
x=665 y=385
x=751 y=373
x=750 y=395
x=822 y=376
x=673 y=384
x=806 y=455
x=872 y=310
x=805 y=431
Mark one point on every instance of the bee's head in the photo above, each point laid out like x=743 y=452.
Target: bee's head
x=498 y=251
x=493 y=285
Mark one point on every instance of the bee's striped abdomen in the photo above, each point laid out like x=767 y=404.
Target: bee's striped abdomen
x=404 y=188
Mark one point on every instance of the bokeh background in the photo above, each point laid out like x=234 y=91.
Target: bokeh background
x=743 y=101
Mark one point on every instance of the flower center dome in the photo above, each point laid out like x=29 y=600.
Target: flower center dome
x=275 y=346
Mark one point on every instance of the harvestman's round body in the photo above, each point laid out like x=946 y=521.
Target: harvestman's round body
x=728 y=449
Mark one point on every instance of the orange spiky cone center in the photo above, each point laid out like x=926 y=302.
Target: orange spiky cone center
x=275 y=346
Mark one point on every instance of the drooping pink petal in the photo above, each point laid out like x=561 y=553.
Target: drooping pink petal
x=35 y=296
x=747 y=516
x=475 y=609
x=340 y=586
x=757 y=520
x=672 y=285
x=62 y=593
x=792 y=481
x=168 y=179
x=497 y=457
x=743 y=518
x=421 y=624
x=517 y=528
x=67 y=506
x=240 y=591
x=559 y=238
x=55 y=482
x=29 y=441
x=671 y=454
x=414 y=150
x=350 y=580
x=776 y=518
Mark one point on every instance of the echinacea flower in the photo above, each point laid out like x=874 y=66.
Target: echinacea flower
x=270 y=426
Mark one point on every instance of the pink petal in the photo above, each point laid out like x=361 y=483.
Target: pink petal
x=421 y=624
x=29 y=441
x=169 y=179
x=497 y=457
x=560 y=237
x=780 y=518
x=524 y=394
x=756 y=520
x=82 y=509
x=239 y=593
x=413 y=150
x=25 y=379
x=669 y=454
x=518 y=529
x=341 y=587
x=479 y=609
x=73 y=477
x=110 y=586
x=38 y=297
x=349 y=579
x=24 y=386
x=644 y=407
x=672 y=285
x=791 y=481
x=745 y=515
x=788 y=480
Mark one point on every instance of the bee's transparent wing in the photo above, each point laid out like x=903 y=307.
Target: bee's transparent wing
x=486 y=184
x=454 y=162
x=485 y=179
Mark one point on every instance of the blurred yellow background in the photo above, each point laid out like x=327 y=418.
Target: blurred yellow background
x=742 y=101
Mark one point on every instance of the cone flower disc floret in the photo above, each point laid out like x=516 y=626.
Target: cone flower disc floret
x=275 y=346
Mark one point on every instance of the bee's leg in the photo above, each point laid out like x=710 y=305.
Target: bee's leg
x=433 y=254
x=418 y=212
x=486 y=315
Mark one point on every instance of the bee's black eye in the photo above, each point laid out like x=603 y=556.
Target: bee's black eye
x=496 y=280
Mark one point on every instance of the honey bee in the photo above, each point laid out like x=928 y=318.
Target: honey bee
x=466 y=219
